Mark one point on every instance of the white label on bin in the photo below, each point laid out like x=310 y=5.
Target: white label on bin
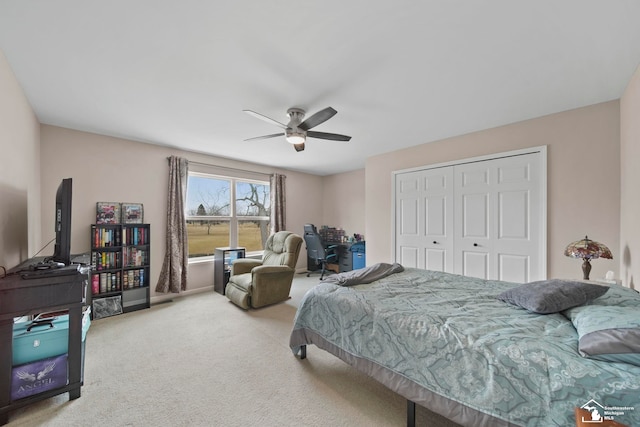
x=36 y=343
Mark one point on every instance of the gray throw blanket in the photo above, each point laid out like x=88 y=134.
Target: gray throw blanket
x=364 y=275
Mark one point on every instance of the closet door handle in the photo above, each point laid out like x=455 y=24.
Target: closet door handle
x=435 y=243
x=475 y=244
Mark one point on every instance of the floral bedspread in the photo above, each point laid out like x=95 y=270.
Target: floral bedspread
x=450 y=335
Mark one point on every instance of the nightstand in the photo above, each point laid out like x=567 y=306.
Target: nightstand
x=224 y=257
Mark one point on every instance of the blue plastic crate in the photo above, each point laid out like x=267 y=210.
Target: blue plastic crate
x=44 y=337
x=358 y=254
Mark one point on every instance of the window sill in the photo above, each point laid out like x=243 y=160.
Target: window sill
x=208 y=259
x=200 y=260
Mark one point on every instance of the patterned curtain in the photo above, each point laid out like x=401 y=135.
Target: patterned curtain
x=278 y=203
x=173 y=276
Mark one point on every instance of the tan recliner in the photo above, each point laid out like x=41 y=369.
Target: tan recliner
x=254 y=283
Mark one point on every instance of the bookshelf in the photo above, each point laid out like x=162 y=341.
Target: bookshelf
x=120 y=259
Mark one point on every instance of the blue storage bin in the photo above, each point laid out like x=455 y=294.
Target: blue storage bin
x=359 y=255
x=39 y=376
x=44 y=337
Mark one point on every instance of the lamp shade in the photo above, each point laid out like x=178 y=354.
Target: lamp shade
x=587 y=249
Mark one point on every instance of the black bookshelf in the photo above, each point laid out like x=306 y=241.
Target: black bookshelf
x=120 y=260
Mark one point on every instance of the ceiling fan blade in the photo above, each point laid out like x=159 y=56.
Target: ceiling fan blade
x=299 y=147
x=273 y=135
x=265 y=118
x=331 y=136
x=317 y=118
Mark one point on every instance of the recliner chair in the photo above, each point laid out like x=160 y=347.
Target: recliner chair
x=317 y=251
x=257 y=283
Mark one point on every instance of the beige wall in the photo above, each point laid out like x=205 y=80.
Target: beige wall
x=583 y=194
x=586 y=139
x=630 y=183
x=19 y=172
x=113 y=169
x=343 y=201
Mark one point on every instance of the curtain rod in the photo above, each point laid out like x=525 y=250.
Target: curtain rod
x=225 y=167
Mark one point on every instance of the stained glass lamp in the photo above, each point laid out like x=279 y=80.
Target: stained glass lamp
x=587 y=249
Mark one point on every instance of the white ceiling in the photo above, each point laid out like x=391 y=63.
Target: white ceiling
x=400 y=73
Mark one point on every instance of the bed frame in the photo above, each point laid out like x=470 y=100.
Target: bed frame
x=538 y=378
x=411 y=406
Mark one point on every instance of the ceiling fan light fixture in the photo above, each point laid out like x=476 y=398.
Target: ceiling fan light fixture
x=295 y=137
x=297 y=130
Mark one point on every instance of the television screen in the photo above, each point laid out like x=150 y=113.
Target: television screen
x=62 y=249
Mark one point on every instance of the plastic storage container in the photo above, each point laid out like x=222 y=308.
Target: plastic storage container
x=44 y=337
x=359 y=255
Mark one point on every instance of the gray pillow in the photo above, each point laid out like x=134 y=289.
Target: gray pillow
x=607 y=333
x=552 y=296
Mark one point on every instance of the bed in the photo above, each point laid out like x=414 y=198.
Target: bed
x=447 y=343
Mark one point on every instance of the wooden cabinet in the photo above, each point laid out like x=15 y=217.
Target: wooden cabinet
x=224 y=257
x=120 y=256
x=20 y=297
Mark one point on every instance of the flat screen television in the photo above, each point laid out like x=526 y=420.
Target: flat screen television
x=62 y=248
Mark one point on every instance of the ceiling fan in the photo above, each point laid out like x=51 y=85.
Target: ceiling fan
x=297 y=131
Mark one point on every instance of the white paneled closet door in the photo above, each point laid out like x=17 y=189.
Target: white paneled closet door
x=478 y=218
x=497 y=207
x=424 y=212
x=518 y=220
x=472 y=216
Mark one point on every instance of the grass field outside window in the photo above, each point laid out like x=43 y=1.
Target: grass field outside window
x=213 y=221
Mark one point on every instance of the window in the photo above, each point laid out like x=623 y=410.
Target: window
x=226 y=211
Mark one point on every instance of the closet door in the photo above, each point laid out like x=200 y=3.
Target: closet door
x=498 y=219
x=483 y=218
x=424 y=213
x=518 y=219
x=472 y=217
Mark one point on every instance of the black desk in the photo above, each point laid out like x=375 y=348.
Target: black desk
x=20 y=297
x=344 y=261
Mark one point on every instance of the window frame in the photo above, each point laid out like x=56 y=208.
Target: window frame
x=232 y=218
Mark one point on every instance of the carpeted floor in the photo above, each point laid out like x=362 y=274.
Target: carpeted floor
x=201 y=361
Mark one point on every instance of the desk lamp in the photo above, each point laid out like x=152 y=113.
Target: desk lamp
x=587 y=249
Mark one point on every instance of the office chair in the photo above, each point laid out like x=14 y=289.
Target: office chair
x=317 y=251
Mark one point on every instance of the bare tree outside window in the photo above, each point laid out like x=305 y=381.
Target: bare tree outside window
x=253 y=200
x=214 y=221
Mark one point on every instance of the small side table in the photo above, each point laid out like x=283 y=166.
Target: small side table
x=224 y=257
